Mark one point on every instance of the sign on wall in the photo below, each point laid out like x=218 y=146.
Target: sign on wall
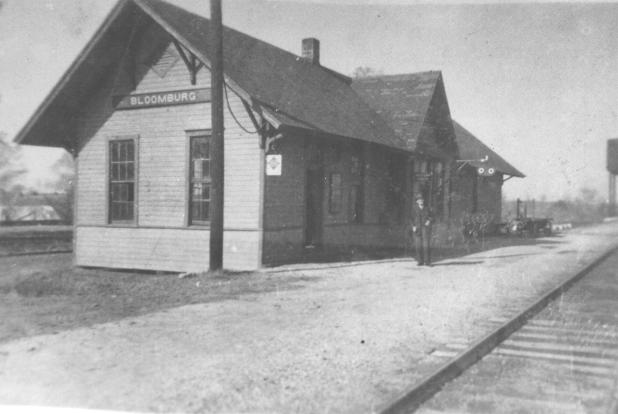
x=273 y=164
x=156 y=99
x=486 y=172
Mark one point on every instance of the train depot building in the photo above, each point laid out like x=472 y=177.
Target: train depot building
x=314 y=161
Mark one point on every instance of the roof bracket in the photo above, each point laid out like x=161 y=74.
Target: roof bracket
x=192 y=63
x=270 y=141
x=467 y=162
x=504 y=180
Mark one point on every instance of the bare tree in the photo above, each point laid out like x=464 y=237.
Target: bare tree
x=365 y=72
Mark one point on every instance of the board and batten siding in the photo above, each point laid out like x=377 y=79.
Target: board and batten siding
x=160 y=238
x=285 y=199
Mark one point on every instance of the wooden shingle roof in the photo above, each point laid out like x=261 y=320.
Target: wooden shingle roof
x=471 y=148
x=297 y=93
x=305 y=94
x=402 y=100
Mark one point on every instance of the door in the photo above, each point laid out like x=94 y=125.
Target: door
x=314 y=207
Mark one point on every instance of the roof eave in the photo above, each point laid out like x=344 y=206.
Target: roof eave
x=22 y=135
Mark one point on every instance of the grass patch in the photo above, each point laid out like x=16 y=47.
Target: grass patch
x=45 y=299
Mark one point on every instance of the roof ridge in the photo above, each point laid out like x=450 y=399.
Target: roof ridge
x=398 y=75
x=238 y=32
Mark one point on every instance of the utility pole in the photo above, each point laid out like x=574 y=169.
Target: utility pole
x=216 y=147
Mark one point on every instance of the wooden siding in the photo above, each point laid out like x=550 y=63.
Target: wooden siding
x=162 y=185
x=490 y=196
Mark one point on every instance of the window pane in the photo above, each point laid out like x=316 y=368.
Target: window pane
x=130 y=151
x=114 y=151
x=115 y=196
x=197 y=169
x=129 y=215
x=197 y=190
x=130 y=171
x=123 y=192
x=130 y=192
x=206 y=169
x=206 y=208
x=122 y=174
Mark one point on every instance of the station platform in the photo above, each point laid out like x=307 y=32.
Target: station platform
x=341 y=337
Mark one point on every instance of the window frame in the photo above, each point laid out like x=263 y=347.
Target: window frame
x=335 y=195
x=134 y=138
x=189 y=221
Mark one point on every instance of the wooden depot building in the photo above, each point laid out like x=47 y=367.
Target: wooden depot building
x=313 y=158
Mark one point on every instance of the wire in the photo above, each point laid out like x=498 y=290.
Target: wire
x=229 y=108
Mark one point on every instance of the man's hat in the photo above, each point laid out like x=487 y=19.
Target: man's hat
x=419 y=197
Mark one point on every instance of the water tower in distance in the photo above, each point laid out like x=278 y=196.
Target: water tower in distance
x=612 y=167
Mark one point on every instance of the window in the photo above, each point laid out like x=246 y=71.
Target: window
x=199 y=182
x=334 y=194
x=121 y=180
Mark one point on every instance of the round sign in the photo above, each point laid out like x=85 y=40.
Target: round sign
x=481 y=170
x=491 y=171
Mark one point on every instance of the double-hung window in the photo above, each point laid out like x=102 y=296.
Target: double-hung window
x=122 y=180
x=199 y=180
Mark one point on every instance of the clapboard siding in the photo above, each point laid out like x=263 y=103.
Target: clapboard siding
x=179 y=250
x=162 y=180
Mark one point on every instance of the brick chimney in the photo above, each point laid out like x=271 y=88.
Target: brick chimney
x=311 y=50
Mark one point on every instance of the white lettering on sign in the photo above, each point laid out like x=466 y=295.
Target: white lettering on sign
x=273 y=164
x=148 y=100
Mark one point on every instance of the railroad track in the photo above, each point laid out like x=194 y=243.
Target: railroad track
x=36 y=253
x=560 y=355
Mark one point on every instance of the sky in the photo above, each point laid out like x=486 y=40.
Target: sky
x=537 y=82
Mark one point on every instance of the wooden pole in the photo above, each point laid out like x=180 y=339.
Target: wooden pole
x=612 y=195
x=217 y=147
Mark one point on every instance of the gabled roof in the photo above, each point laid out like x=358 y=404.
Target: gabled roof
x=403 y=100
x=471 y=148
x=297 y=93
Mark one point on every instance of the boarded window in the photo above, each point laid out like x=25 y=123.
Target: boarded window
x=199 y=191
x=334 y=193
x=122 y=180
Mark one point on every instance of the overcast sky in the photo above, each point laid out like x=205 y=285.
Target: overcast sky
x=536 y=82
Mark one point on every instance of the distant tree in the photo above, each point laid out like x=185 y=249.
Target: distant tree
x=365 y=72
x=10 y=170
x=62 y=202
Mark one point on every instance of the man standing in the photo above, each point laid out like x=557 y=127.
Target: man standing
x=422 y=232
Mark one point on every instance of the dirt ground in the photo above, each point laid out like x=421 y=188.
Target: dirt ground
x=309 y=338
x=45 y=294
